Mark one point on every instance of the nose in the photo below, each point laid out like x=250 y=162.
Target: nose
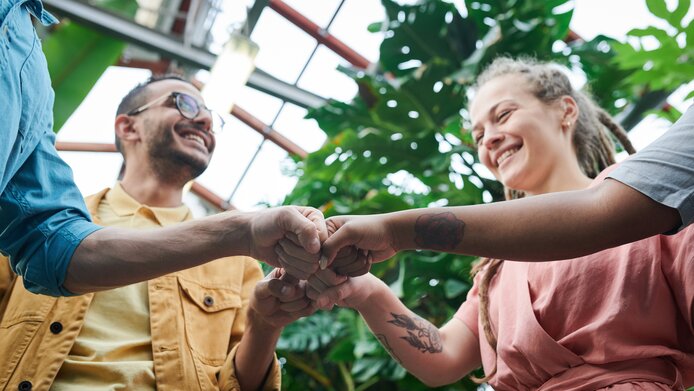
x=492 y=139
x=204 y=118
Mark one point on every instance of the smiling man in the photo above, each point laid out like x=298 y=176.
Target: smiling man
x=210 y=327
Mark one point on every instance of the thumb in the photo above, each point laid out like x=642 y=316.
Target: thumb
x=304 y=229
x=340 y=239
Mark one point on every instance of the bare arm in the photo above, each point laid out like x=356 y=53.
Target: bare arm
x=435 y=356
x=114 y=257
x=541 y=228
x=275 y=303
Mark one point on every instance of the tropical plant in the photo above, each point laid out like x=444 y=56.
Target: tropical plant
x=401 y=144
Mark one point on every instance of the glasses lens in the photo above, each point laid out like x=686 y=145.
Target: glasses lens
x=187 y=105
x=217 y=122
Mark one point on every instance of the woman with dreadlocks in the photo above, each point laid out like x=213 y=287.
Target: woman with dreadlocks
x=619 y=319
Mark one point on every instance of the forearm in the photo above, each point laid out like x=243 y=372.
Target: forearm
x=114 y=257
x=255 y=354
x=547 y=227
x=415 y=343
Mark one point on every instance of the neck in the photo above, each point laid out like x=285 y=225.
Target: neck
x=150 y=190
x=565 y=178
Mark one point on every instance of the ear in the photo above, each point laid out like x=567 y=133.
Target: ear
x=569 y=112
x=125 y=129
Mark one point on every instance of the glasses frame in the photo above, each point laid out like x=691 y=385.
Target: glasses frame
x=176 y=96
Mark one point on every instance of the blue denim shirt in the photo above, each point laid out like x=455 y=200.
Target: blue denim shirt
x=42 y=215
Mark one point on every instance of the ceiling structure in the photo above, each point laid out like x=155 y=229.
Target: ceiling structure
x=301 y=42
x=178 y=35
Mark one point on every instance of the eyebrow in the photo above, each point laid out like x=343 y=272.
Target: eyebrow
x=491 y=110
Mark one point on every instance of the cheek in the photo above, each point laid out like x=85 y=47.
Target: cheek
x=485 y=158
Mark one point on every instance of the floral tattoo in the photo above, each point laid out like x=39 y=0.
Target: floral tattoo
x=443 y=231
x=420 y=334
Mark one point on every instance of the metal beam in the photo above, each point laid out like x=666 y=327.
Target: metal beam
x=320 y=34
x=267 y=132
x=170 y=47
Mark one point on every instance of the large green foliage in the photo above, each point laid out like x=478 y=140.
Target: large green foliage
x=78 y=55
x=399 y=145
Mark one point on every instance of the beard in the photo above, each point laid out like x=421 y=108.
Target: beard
x=173 y=165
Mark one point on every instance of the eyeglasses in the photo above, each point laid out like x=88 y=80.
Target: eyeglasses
x=187 y=106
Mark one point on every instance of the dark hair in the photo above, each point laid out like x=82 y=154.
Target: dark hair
x=139 y=95
x=594 y=149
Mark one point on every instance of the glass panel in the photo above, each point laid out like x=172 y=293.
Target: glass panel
x=93 y=120
x=264 y=182
x=323 y=78
x=351 y=23
x=93 y=171
x=259 y=104
x=284 y=48
x=235 y=148
x=318 y=12
x=304 y=132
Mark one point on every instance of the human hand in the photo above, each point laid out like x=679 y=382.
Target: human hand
x=279 y=299
x=326 y=289
x=370 y=234
x=305 y=225
x=301 y=264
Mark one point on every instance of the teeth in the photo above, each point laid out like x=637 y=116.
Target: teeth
x=506 y=155
x=193 y=137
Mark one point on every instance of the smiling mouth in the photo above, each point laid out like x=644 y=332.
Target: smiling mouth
x=506 y=155
x=195 y=138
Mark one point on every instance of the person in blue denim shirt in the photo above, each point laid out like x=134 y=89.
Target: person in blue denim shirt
x=44 y=225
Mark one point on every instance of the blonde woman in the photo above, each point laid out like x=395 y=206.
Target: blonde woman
x=619 y=319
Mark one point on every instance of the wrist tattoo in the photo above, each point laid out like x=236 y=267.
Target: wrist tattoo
x=442 y=231
x=420 y=333
x=384 y=342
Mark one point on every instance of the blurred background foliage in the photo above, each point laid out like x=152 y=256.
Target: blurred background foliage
x=401 y=143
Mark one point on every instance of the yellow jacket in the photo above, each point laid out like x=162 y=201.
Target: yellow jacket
x=197 y=317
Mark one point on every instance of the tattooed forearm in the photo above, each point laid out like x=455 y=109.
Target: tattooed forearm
x=386 y=345
x=420 y=333
x=443 y=231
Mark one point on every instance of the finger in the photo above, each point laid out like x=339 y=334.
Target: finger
x=287 y=260
x=297 y=251
x=342 y=237
x=312 y=293
x=357 y=267
x=345 y=256
x=289 y=279
x=317 y=284
x=316 y=216
x=295 y=305
x=333 y=295
x=304 y=227
x=296 y=273
x=330 y=278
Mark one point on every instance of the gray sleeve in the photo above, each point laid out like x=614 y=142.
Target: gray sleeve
x=664 y=170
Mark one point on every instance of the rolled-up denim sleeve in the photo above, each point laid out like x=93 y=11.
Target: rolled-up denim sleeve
x=44 y=220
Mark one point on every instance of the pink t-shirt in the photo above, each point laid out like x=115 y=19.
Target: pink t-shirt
x=619 y=317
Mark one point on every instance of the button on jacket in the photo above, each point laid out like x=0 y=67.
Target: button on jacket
x=197 y=318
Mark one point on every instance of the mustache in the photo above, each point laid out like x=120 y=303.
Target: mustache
x=191 y=125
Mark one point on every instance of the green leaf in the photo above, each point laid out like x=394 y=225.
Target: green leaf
x=677 y=16
x=77 y=56
x=455 y=288
x=658 y=8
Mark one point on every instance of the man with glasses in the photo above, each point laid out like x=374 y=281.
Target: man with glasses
x=213 y=326
x=44 y=225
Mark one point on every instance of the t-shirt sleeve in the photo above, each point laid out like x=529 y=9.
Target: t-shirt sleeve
x=469 y=311
x=664 y=171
